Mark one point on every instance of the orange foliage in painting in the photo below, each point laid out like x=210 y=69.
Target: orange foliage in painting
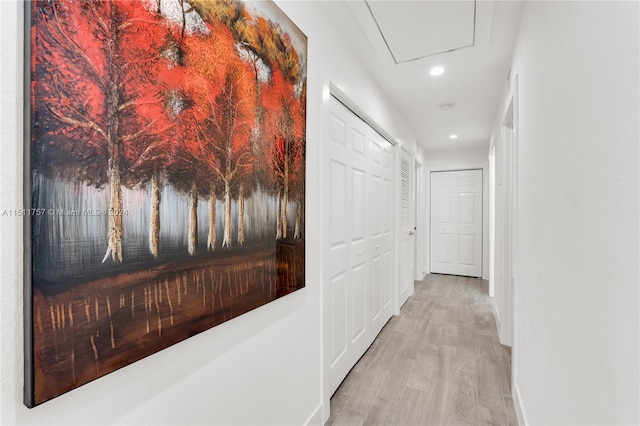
x=223 y=98
x=95 y=96
x=124 y=95
x=284 y=127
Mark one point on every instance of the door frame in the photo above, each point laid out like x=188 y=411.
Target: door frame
x=492 y=219
x=507 y=205
x=399 y=300
x=485 y=207
x=508 y=210
x=417 y=221
x=330 y=90
x=513 y=108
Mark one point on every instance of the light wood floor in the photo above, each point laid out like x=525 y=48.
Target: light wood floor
x=438 y=363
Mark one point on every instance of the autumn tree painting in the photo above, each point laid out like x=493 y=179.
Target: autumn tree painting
x=167 y=173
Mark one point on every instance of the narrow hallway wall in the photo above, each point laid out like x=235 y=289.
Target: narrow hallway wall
x=577 y=319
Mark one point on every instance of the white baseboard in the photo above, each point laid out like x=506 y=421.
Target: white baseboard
x=315 y=419
x=517 y=402
x=496 y=314
x=423 y=273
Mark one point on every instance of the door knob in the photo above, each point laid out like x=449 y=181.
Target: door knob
x=411 y=233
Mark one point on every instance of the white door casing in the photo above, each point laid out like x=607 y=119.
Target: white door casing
x=359 y=250
x=509 y=212
x=417 y=224
x=456 y=222
x=406 y=229
x=492 y=221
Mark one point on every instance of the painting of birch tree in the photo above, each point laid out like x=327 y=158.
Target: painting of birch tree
x=167 y=176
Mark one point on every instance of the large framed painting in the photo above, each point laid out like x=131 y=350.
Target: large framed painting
x=166 y=177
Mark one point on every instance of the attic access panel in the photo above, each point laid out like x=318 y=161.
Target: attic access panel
x=417 y=29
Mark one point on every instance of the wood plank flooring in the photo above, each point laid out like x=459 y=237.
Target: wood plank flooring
x=438 y=363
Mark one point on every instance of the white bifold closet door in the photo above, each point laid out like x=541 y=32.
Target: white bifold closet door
x=456 y=223
x=359 y=248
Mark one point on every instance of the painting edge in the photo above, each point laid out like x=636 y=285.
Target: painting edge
x=27 y=302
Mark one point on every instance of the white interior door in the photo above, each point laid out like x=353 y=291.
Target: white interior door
x=359 y=170
x=380 y=199
x=456 y=222
x=407 y=231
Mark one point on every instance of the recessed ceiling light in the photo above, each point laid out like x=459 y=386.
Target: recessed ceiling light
x=454 y=136
x=435 y=71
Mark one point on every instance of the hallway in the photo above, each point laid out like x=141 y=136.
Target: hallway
x=542 y=96
x=438 y=362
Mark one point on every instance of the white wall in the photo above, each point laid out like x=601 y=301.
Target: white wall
x=264 y=367
x=457 y=159
x=576 y=352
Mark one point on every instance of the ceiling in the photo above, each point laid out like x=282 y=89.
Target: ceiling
x=400 y=41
